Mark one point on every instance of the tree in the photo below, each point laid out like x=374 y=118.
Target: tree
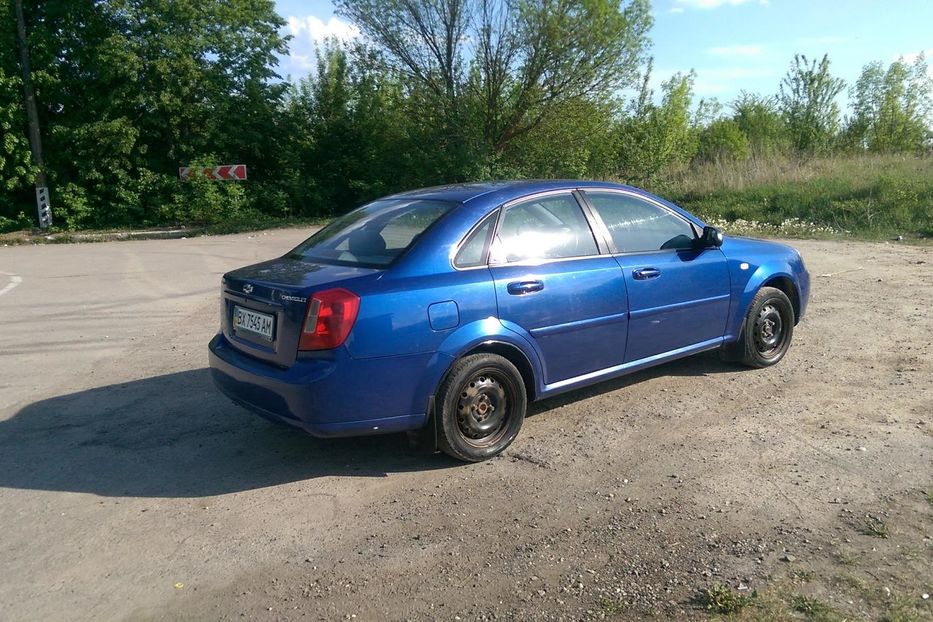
x=506 y=64
x=355 y=134
x=653 y=137
x=129 y=90
x=892 y=108
x=760 y=120
x=807 y=99
x=722 y=140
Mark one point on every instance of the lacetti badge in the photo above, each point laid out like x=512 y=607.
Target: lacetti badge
x=248 y=288
x=292 y=298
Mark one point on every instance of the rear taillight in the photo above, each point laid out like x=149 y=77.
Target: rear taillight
x=329 y=319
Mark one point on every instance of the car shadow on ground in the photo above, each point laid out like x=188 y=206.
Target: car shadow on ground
x=698 y=365
x=176 y=436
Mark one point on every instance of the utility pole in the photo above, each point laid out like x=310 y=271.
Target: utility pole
x=35 y=141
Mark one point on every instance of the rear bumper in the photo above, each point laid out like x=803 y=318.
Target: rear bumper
x=325 y=394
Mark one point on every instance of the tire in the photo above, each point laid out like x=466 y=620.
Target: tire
x=482 y=404
x=766 y=332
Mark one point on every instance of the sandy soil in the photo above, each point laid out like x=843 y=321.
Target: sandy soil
x=130 y=489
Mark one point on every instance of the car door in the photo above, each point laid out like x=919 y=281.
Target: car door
x=553 y=283
x=678 y=295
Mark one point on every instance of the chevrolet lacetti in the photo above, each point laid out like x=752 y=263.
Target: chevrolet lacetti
x=445 y=311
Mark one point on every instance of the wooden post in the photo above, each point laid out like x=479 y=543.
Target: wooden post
x=35 y=141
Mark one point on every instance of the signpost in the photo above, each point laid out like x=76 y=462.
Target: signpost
x=226 y=172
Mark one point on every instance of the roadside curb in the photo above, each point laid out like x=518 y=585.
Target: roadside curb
x=166 y=234
x=108 y=236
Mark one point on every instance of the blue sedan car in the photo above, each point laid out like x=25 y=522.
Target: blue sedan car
x=447 y=310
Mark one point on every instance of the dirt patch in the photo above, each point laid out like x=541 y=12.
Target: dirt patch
x=803 y=491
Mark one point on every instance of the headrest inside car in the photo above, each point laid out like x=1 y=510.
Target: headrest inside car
x=366 y=242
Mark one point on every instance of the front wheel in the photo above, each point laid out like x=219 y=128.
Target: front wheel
x=482 y=406
x=767 y=330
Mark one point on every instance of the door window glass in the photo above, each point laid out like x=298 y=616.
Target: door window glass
x=550 y=227
x=473 y=251
x=639 y=226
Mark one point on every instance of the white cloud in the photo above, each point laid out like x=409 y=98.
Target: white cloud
x=733 y=51
x=309 y=32
x=316 y=30
x=712 y=4
x=302 y=62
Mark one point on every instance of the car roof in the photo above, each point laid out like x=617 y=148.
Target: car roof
x=503 y=191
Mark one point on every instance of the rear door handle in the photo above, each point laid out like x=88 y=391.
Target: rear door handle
x=643 y=274
x=525 y=287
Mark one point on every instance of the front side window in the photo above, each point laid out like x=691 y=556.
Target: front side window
x=637 y=225
x=374 y=234
x=550 y=227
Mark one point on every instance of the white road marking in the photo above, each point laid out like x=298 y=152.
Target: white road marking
x=14 y=281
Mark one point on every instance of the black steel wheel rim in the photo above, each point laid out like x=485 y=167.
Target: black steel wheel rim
x=769 y=330
x=483 y=409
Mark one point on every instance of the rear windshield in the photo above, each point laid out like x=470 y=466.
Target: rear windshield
x=373 y=235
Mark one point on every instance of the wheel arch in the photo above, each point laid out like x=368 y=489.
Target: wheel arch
x=512 y=354
x=786 y=285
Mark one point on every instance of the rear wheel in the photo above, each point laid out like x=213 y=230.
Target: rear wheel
x=482 y=406
x=766 y=332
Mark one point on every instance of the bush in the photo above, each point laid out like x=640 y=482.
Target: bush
x=722 y=140
x=203 y=201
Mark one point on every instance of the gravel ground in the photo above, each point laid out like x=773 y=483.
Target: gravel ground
x=130 y=488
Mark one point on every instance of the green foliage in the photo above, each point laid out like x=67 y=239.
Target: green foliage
x=807 y=99
x=441 y=91
x=720 y=598
x=760 y=120
x=723 y=140
x=893 y=108
x=813 y=608
x=655 y=138
x=876 y=196
x=489 y=73
x=874 y=526
x=129 y=90
x=202 y=201
x=16 y=166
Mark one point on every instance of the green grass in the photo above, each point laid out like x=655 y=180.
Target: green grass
x=813 y=608
x=611 y=607
x=867 y=196
x=720 y=598
x=874 y=526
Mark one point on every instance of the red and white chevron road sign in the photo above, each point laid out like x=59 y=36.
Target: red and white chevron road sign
x=226 y=172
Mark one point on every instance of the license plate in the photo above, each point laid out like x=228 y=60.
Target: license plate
x=259 y=324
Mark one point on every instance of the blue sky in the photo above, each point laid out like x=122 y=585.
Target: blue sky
x=733 y=45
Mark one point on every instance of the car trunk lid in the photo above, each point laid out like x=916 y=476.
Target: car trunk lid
x=263 y=306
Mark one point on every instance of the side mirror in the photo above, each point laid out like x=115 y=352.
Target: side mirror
x=711 y=238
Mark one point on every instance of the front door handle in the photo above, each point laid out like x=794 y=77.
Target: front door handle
x=643 y=274
x=525 y=287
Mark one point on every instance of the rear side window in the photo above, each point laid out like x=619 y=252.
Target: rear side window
x=473 y=250
x=373 y=235
x=551 y=227
x=637 y=225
